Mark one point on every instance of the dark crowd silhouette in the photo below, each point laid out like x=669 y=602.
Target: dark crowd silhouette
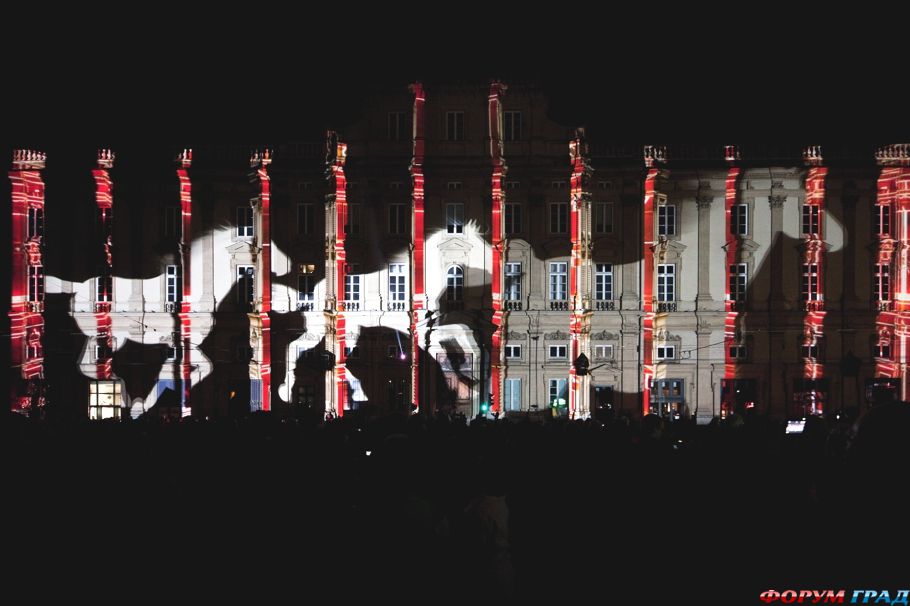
x=440 y=509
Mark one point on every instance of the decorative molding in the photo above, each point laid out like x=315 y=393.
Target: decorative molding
x=514 y=335
x=558 y=335
x=704 y=202
x=604 y=336
x=777 y=201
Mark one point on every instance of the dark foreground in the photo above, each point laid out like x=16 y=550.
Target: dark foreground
x=567 y=512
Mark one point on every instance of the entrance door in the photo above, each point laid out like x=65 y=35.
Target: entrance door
x=602 y=400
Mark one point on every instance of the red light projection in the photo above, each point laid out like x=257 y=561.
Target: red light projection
x=104 y=295
x=260 y=325
x=579 y=287
x=337 y=154
x=494 y=115
x=418 y=294
x=184 y=162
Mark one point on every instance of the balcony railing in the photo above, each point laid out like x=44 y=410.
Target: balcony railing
x=666 y=306
x=396 y=306
x=605 y=305
x=883 y=306
x=36 y=307
x=104 y=307
x=513 y=305
x=171 y=307
x=351 y=305
x=559 y=305
x=305 y=305
x=814 y=305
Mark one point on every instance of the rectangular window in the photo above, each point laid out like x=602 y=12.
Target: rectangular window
x=811 y=214
x=35 y=222
x=558 y=392
x=603 y=281
x=738 y=282
x=558 y=184
x=454 y=126
x=882 y=219
x=666 y=220
x=739 y=219
x=173 y=284
x=883 y=282
x=455 y=218
x=35 y=283
x=810 y=282
x=246 y=284
x=882 y=350
x=603 y=218
x=603 y=352
x=666 y=282
x=353 y=225
x=104 y=285
x=306 y=395
x=453 y=185
x=397 y=277
x=738 y=352
x=352 y=283
x=513 y=351
x=397 y=219
x=512 y=219
x=810 y=351
x=244 y=222
x=306 y=290
x=666 y=352
x=559 y=281
x=559 y=217
x=513 y=282
x=306 y=216
x=512 y=395
x=104 y=400
x=511 y=126
x=512 y=185
x=172 y=221
x=558 y=352
x=398 y=126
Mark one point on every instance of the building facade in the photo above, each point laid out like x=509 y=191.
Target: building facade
x=463 y=225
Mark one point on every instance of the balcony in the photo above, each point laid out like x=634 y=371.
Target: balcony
x=103 y=307
x=513 y=305
x=36 y=307
x=305 y=305
x=396 y=306
x=605 y=305
x=559 y=305
x=171 y=307
x=883 y=306
x=814 y=305
x=666 y=306
x=350 y=305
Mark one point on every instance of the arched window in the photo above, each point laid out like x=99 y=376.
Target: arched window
x=454 y=283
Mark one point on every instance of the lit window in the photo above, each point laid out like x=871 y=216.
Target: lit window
x=666 y=282
x=512 y=394
x=558 y=352
x=559 y=217
x=666 y=220
x=104 y=400
x=244 y=222
x=455 y=218
x=513 y=282
x=454 y=126
x=603 y=281
x=558 y=281
x=558 y=392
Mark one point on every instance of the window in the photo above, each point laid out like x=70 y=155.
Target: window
x=172 y=222
x=604 y=185
x=455 y=218
x=104 y=400
x=104 y=285
x=739 y=219
x=35 y=222
x=558 y=281
x=512 y=394
x=454 y=284
x=882 y=282
x=666 y=220
x=513 y=219
x=306 y=291
x=397 y=219
x=306 y=216
x=738 y=282
x=103 y=350
x=558 y=392
x=513 y=282
x=245 y=285
x=603 y=352
x=173 y=284
x=666 y=282
x=171 y=354
x=558 y=352
x=513 y=351
x=398 y=126
x=738 y=352
x=810 y=282
x=882 y=349
x=353 y=225
x=810 y=350
x=511 y=126
x=603 y=218
x=397 y=283
x=35 y=283
x=666 y=352
x=306 y=395
x=352 y=283
x=603 y=281
x=244 y=222
x=510 y=185
x=882 y=219
x=453 y=185
x=810 y=220
x=454 y=126
x=559 y=217
x=558 y=184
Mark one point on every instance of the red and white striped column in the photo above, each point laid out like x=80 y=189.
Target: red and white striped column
x=653 y=155
x=418 y=294
x=260 y=323
x=814 y=258
x=337 y=155
x=734 y=244
x=580 y=270
x=27 y=272
x=184 y=162
x=494 y=117
x=104 y=200
x=894 y=190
